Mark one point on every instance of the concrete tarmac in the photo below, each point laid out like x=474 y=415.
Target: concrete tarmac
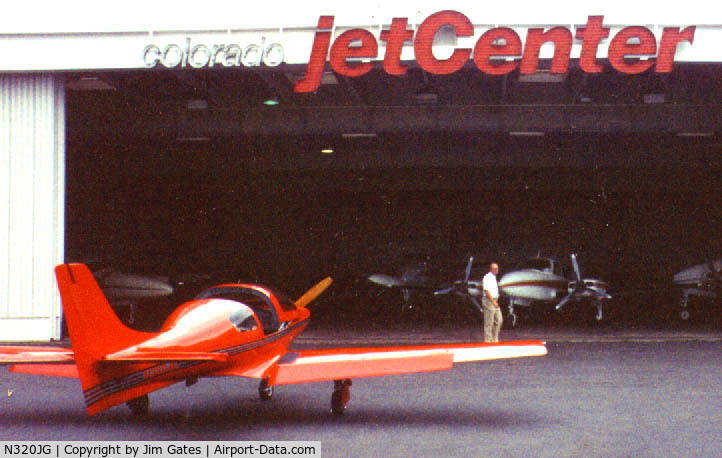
x=601 y=391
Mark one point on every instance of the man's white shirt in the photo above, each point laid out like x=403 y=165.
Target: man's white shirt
x=489 y=284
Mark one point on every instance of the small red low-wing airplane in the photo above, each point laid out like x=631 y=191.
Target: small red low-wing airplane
x=235 y=329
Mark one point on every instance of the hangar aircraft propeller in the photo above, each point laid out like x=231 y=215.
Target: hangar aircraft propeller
x=467 y=288
x=228 y=330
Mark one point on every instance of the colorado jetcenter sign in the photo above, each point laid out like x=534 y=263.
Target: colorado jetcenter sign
x=497 y=51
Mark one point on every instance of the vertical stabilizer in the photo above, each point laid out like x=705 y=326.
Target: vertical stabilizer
x=95 y=331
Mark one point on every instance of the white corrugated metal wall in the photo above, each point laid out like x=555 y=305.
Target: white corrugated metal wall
x=32 y=204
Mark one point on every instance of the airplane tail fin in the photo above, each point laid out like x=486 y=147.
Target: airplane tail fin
x=95 y=331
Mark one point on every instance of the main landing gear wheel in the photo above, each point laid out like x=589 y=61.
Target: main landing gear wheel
x=139 y=406
x=265 y=391
x=684 y=307
x=340 y=397
x=512 y=315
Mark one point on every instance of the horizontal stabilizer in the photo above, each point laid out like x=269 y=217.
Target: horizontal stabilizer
x=163 y=356
x=54 y=370
x=32 y=355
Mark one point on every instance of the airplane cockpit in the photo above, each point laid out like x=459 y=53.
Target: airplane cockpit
x=256 y=300
x=543 y=265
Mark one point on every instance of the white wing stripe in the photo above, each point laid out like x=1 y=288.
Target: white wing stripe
x=460 y=355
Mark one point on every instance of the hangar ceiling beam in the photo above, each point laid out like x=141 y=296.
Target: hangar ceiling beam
x=580 y=118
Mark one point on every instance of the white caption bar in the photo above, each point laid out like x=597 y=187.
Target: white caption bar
x=158 y=449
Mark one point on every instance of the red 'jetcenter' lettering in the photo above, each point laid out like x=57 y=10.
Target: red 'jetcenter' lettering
x=498 y=51
x=425 y=38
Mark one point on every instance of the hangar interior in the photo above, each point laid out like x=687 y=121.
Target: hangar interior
x=192 y=170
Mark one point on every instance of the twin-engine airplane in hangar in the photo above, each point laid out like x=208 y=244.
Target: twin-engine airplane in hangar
x=701 y=280
x=418 y=276
x=422 y=277
x=228 y=330
x=127 y=290
x=541 y=280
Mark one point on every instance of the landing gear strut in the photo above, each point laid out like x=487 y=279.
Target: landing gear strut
x=139 y=406
x=684 y=306
x=265 y=391
x=341 y=395
x=512 y=315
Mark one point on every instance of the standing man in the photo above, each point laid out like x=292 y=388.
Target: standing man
x=490 y=304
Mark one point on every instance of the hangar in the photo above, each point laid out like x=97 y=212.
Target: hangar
x=330 y=137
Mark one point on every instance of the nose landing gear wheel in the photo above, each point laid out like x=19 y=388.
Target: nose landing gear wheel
x=265 y=391
x=340 y=397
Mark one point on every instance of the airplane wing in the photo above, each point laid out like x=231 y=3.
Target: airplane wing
x=341 y=363
x=387 y=281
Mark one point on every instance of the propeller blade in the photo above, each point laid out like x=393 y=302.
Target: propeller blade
x=576 y=267
x=563 y=301
x=314 y=292
x=468 y=269
x=444 y=291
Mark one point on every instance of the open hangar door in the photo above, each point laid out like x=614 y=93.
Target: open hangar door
x=180 y=171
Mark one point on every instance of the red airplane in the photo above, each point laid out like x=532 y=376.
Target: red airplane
x=234 y=329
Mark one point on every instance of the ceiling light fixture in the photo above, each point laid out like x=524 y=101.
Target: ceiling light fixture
x=653 y=98
x=197 y=104
x=427 y=94
x=327 y=151
x=526 y=134
x=329 y=78
x=89 y=83
x=543 y=76
x=695 y=134
x=359 y=135
x=272 y=101
x=193 y=139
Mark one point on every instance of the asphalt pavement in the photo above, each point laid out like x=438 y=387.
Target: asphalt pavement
x=601 y=391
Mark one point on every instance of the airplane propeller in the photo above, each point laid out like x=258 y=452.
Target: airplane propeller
x=578 y=288
x=314 y=292
x=462 y=287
